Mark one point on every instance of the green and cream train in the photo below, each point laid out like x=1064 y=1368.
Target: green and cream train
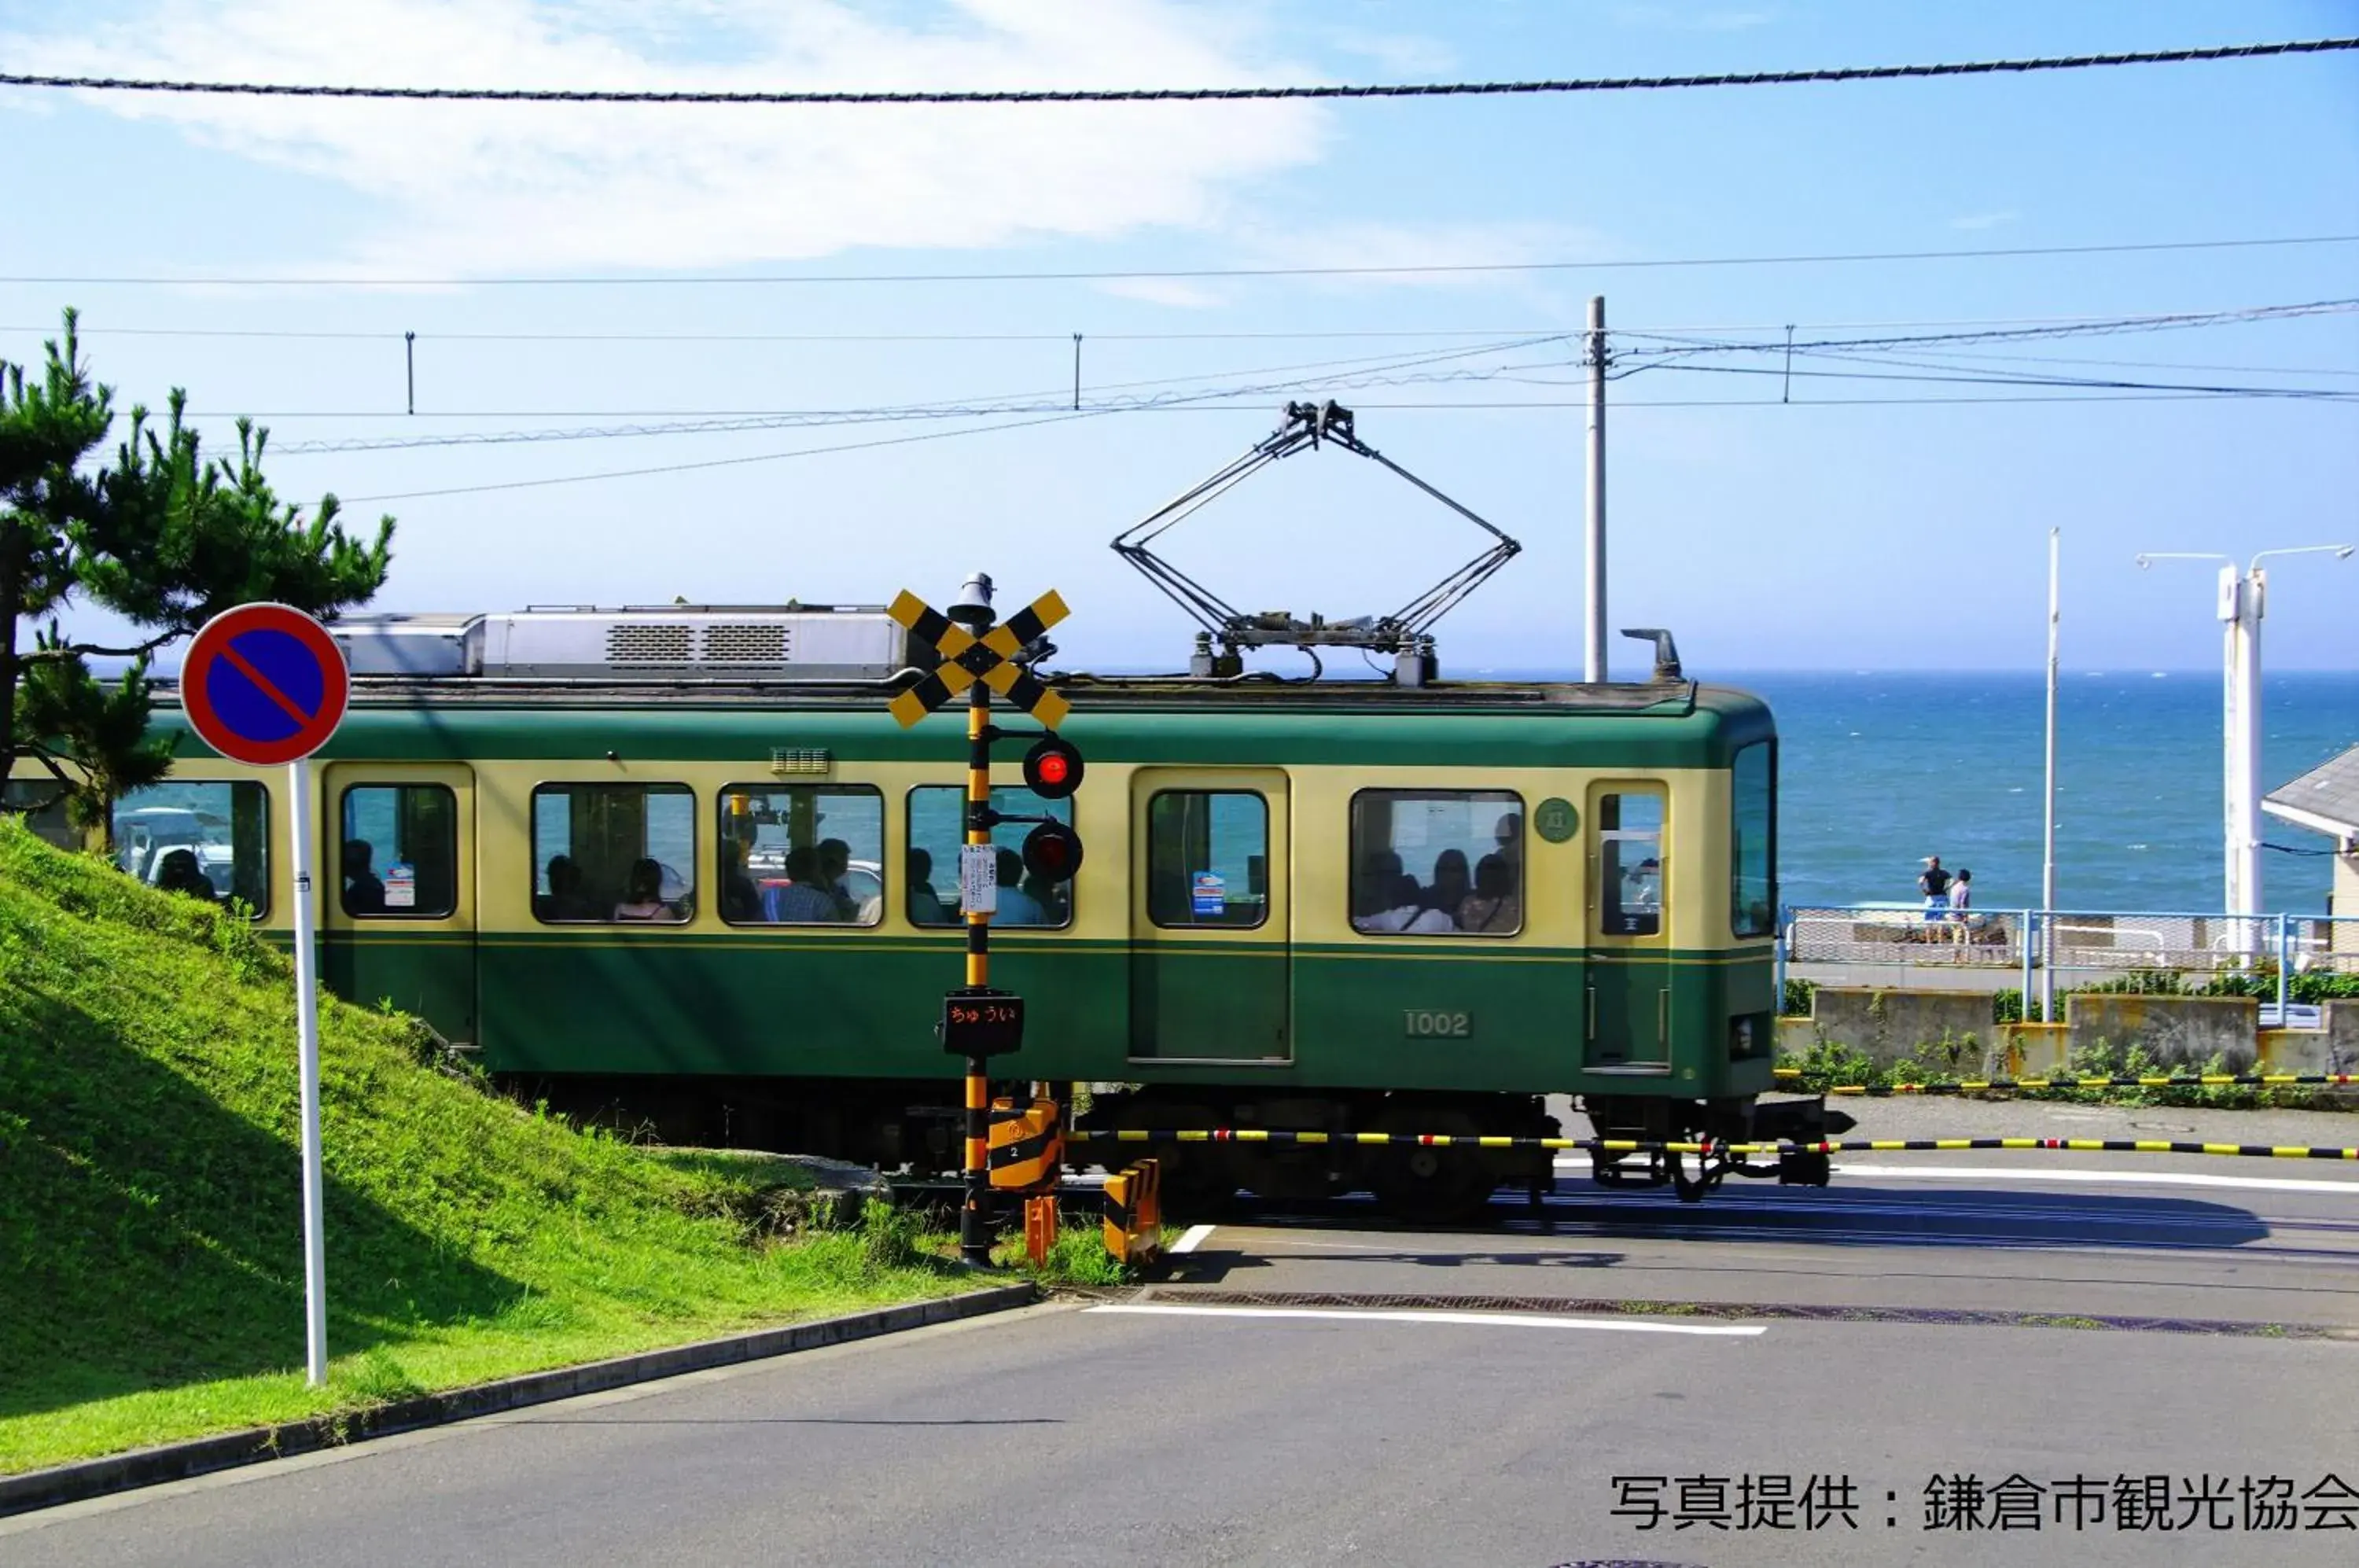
x=682 y=866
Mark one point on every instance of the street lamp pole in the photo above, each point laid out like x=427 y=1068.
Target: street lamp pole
x=2243 y=602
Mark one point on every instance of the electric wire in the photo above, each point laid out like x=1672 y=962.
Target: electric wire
x=1338 y=373
x=1087 y=412
x=1187 y=94
x=1366 y=371
x=213 y=280
x=717 y=462
x=1722 y=330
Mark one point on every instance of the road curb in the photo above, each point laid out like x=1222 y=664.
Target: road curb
x=200 y=1457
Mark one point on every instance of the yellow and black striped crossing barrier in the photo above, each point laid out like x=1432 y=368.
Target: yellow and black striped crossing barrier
x=1133 y=1213
x=1028 y=1147
x=2066 y=1081
x=1635 y=1146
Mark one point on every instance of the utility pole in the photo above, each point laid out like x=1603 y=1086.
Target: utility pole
x=1592 y=658
x=2243 y=600
x=2048 y=833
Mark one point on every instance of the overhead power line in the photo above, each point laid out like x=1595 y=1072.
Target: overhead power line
x=1668 y=331
x=1187 y=94
x=1132 y=273
x=1067 y=415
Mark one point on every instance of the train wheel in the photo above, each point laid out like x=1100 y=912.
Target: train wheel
x=1431 y=1186
x=1710 y=1169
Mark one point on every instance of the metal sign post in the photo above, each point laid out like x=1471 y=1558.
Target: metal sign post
x=977 y=1021
x=264 y=684
x=307 y=1071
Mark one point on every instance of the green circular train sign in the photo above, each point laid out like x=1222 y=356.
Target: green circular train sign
x=1556 y=821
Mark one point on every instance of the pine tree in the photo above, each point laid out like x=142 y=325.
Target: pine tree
x=163 y=537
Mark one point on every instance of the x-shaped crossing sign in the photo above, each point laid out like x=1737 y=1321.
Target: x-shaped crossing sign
x=990 y=659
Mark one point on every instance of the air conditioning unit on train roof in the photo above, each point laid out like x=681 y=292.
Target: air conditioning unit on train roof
x=712 y=642
x=407 y=645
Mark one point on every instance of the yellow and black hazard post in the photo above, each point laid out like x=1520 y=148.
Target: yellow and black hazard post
x=1028 y=1146
x=1027 y=1153
x=979 y=1022
x=1133 y=1213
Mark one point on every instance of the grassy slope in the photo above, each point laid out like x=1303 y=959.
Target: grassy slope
x=151 y=1243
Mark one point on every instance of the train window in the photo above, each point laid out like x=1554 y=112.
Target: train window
x=801 y=855
x=614 y=853
x=1207 y=858
x=1752 y=841
x=43 y=802
x=1630 y=863
x=209 y=840
x=400 y=853
x=937 y=829
x=1438 y=862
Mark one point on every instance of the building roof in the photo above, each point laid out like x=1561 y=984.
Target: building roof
x=2325 y=799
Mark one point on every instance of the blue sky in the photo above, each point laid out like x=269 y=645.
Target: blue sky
x=1807 y=535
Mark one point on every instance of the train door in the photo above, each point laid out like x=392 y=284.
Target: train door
x=1210 y=974
x=396 y=899
x=1629 y=1013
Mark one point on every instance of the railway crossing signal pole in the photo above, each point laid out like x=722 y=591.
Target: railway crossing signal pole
x=975 y=1223
x=978 y=1021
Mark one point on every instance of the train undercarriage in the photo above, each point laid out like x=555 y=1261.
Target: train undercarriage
x=914 y=1127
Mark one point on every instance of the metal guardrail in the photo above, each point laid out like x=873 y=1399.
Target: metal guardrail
x=2043 y=945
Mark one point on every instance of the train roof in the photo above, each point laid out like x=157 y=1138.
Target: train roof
x=705 y=683
x=1248 y=723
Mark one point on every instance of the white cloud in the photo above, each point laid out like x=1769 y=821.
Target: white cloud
x=1979 y=221
x=477 y=188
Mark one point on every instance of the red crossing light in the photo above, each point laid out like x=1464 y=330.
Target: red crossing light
x=1052 y=852
x=1052 y=769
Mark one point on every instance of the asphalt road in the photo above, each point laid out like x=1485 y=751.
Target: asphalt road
x=1318 y=1388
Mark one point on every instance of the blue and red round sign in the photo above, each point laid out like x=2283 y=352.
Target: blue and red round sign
x=264 y=684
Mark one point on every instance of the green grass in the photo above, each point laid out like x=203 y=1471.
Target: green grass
x=151 y=1239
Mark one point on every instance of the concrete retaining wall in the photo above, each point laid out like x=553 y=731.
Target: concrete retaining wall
x=1888 y=1023
x=2031 y=1051
x=2182 y=1034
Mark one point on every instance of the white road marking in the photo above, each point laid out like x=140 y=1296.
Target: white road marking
x=1197 y=1235
x=2126 y=1178
x=2111 y=1174
x=1479 y=1320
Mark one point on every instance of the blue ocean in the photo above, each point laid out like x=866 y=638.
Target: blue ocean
x=1882 y=770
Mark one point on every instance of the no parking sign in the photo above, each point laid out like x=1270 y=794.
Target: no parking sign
x=266 y=685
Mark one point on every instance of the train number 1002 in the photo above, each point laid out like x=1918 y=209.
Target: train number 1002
x=1419 y=1024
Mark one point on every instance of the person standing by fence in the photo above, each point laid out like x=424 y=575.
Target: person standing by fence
x=1961 y=904
x=1934 y=883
